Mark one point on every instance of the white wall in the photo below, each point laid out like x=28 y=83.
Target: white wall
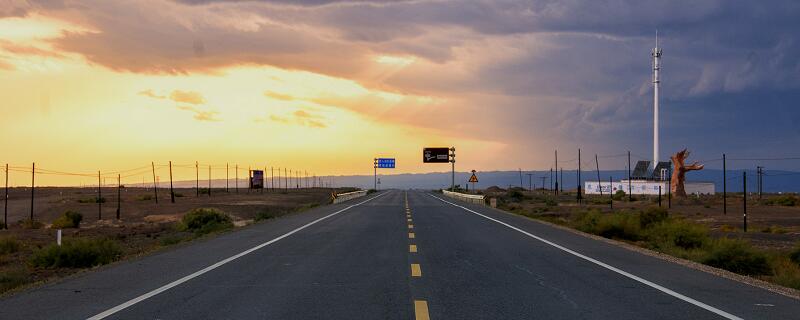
x=646 y=187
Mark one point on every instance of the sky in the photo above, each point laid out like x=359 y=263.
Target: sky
x=326 y=86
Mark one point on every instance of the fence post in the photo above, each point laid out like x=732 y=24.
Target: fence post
x=33 y=186
x=99 y=197
x=744 y=201
x=171 y=189
x=155 y=185
x=5 y=203
x=119 y=194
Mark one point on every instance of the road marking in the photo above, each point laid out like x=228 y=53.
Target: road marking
x=416 y=271
x=412 y=248
x=421 y=310
x=411 y=235
x=411 y=226
x=409 y=220
x=605 y=265
x=200 y=272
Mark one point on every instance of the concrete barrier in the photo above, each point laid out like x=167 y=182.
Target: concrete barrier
x=471 y=198
x=342 y=197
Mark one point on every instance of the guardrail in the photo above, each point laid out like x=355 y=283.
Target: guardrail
x=471 y=198
x=342 y=197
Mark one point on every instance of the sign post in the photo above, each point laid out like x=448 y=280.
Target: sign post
x=442 y=155
x=382 y=163
x=473 y=179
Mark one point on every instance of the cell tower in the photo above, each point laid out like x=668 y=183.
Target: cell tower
x=656 y=53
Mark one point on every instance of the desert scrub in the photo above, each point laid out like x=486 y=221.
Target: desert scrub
x=737 y=256
x=12 y=279
x=145 y=197
x=269 y=213
x=205 y=220
x=618 y=225
x=92 y=200
x=9 y=245
x=69 y=219
x=782 y=200
x=77 y=253
x=30 y=224
x=794 y=255
x=677 y=237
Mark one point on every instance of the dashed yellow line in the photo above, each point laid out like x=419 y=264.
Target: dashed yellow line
x=412 y=248
x=421 y=310
x=411 y=235
x=416 y=271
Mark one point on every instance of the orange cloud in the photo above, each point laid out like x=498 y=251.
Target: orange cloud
x=151 y=94
x=201 y=115
x=279 y=96
x=187 y=97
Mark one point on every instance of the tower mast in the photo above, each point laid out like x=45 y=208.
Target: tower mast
x=656 y=53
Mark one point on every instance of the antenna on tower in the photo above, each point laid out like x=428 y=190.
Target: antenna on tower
x=656 y=37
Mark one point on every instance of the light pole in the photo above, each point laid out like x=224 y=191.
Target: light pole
x=453 y=169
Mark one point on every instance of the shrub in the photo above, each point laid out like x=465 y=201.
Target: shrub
x=600 y=200
x=78 y=253
x=651 y=216
x=794 y=255
x=8 y=245
x=269 y=213
x=92 y=200
x=30 y=224
x=516 y=195
x=172 y=239
x=616 y=225
x=205 y=220
x=145 y=197
x=619 y=195
x=737 y=256
x=727 y=228
x=69 y=219
x=785 y=272
x=677 y=233
x=782 y=200
x=13 y=279
x=774 y=230
x=371 y=191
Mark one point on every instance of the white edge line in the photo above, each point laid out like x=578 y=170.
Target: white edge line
x=607 y=266
x=200 y=272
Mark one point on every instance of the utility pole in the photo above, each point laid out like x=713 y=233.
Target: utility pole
x=597 y=163
x=744 y=202
x=610 y=192
x=33 y=186
x=724 y=185
x=272 y=180
x=375 y=174
x=5 y=203
x=520 y=178
x=197 y=178
x=669 y=187
x=227 y=176
x=557 y=180
x=630 y=188
x=209 y=180
x=551 y=179
x=760 y=172
x=236 y=177
x=530 y=181
x=579 y=175
x=99 y=197
x=155 y=183
x=543 y=179
x=119 y=194
x=561 y=185
x=171 y=190
x=453 y=169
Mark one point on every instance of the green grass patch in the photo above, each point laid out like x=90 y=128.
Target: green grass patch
x=92 y=200
x=30 y=224
x=737 y=256
x=782 y=200
x=173 y=239
x=12 y=279
x=77 y=253
x=145 y=197
x=204 y=221
x=69 y=219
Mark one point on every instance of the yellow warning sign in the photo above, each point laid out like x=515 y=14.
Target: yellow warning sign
x=473 y=178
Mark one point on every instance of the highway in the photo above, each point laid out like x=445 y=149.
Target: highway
x=398 y=255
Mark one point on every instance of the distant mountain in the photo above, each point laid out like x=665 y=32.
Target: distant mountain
x=774 y=181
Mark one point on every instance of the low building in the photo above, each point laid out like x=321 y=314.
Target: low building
x=647 y=180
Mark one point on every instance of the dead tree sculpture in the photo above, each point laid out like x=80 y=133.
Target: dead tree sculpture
x=679 y=174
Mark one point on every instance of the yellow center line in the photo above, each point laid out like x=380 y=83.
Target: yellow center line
x=421 y=310
x=416 y=271
x=411 y=235
x=412 y=248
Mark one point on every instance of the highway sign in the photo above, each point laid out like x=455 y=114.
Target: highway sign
x=257 y=179
x=436 y=155
x=385 y=163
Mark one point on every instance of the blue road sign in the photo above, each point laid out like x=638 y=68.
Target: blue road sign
x=385 y=163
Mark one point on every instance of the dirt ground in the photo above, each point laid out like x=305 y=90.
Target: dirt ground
x=768 y=226
x=139 y=205
x=144 y=225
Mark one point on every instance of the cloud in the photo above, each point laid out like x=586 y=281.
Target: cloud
x=201 y=115
x=299 y=117
x=151 y=94
x=187 y=97
x=278 y=96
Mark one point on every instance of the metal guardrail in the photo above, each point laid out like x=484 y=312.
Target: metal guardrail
x=471 y=198
x=342 y=197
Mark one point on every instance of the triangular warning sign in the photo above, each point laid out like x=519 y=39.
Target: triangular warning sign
x=473 y=178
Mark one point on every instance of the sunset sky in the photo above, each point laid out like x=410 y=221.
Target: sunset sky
x=325 y=86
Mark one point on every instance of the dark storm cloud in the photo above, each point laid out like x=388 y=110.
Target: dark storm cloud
x=576 y=71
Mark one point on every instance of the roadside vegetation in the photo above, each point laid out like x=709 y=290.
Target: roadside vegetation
x=657 y=229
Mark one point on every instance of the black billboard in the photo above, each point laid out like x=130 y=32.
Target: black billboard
x=436 y=155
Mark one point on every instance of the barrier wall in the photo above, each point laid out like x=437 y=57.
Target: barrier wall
x=471 y=198
x=342 y=197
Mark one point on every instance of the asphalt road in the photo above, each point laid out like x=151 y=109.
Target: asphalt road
x=398 y=255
